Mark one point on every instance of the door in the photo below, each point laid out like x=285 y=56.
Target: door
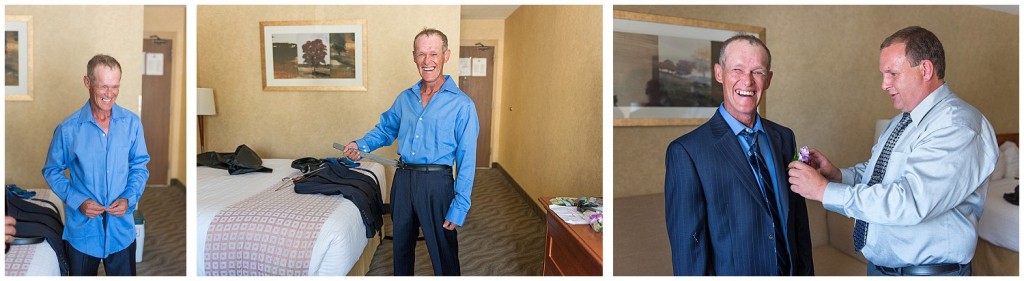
x=156 y=108
x=480 y=89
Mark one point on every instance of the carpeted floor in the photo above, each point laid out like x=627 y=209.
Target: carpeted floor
x=502 y=236
x=164 y=250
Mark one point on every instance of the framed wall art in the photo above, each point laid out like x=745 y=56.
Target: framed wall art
x=322 y=55
x=664 y=68
x=18 y=58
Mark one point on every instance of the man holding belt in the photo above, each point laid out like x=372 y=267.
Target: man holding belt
x=436 y=125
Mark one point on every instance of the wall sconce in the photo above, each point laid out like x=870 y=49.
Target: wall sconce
x=206 y=106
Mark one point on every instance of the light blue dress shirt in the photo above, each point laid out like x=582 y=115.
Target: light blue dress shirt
x=103 y=167
x=926 y=208
x=764 y=146
x=445 y=132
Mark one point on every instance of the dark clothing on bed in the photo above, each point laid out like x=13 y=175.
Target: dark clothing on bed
x=419 y=198
x=361 y=189
x=242 y=161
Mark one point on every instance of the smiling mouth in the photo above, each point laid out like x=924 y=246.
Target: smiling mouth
x=428 y=68
x=745 y=93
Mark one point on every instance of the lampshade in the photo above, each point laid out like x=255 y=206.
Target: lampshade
x=880 y=126
x=206 y=103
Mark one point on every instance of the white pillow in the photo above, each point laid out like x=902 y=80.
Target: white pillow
x=1012 y=156
x=1000 y=171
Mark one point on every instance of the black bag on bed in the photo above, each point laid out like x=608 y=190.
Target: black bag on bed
x=242 y=161
x=37 y=221
x=362 y=190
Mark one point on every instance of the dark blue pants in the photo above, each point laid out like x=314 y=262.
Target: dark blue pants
x=120 y=263
x=421 y=199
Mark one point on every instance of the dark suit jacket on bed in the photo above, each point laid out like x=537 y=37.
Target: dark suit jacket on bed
x=718 y=223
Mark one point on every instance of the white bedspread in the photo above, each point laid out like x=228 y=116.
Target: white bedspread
x=341 y=239
x=1001 y=220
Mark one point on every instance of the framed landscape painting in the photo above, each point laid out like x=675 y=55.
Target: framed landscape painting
x=323 y=55
x=18 y=58
x=664 y=68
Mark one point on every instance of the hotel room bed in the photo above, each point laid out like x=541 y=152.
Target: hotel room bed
x=998 y=245
x=340 y=247
x=35 y=259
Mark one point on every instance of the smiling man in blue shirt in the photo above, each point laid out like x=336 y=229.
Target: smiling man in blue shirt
x=103 y=147
x=436 y=125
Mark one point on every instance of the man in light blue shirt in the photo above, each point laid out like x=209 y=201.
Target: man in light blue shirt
x=436 y=125
x=919 y=197
x=103 y=147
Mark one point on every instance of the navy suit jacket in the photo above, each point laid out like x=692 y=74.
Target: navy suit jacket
x=718 y=222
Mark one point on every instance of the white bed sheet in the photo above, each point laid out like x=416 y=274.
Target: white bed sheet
x=341 y=239
x=44 y=259
x=1001 y=220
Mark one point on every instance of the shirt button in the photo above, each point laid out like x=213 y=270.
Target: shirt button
x=421 y=118
x=417 y=136
x=771 y=237
x=414 y=153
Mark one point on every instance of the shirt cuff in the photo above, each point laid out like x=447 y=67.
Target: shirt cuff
x=849 y=176
x=456 y=216
x=362 y=145
x=835 y=197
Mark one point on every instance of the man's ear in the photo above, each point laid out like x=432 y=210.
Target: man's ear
x=927 y=70
x=447 y=54
x=85 y=80
x=718 y=73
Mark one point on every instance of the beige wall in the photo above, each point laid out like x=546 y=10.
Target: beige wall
x=826 y=85
x=168 y=22
x=490 y=33
x=64 y=39
x=551 y=104
x=299 y=124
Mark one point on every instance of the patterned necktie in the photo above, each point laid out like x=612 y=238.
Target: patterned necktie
x=759 y=165
x=860 y=229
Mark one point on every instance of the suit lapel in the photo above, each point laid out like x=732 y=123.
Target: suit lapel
x=728 y=146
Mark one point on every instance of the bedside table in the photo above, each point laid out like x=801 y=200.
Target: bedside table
x=570 y=249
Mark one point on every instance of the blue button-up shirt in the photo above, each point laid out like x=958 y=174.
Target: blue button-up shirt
x=103 y=167
x=927 y=206
x=444 y=132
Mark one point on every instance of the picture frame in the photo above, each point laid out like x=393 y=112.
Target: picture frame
x=664 y=68
x=18 y=58
x=320 y=55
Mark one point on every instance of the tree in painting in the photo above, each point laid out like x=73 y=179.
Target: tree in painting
x=313 y=53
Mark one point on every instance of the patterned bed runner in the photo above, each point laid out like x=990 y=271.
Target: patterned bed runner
x=18 y=260
x=270 y=233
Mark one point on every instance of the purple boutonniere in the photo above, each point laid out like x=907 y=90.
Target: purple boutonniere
x=803 y=154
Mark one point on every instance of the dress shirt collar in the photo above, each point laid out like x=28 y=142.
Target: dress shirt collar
x=448 y=86
x=928 y=103
x=85 y=114
x=735 y=125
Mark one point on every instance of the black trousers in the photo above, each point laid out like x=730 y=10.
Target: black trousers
x=120 y=263
x=421 y=199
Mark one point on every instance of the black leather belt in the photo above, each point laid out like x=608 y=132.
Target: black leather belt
x=27 y=240
x=923 y=270
x=424 y=167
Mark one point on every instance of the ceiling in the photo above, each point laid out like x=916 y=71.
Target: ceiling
x=487 y=12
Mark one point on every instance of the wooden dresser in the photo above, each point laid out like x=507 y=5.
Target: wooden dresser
x=570 y=250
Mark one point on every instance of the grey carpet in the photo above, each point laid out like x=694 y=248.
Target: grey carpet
x=502 y=236
x=163 y=252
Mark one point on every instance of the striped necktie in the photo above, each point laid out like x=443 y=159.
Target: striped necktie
x=764 y=178
x=860 y=229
